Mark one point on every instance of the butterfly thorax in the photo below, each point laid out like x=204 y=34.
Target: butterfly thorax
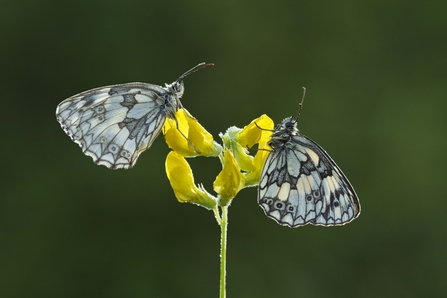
x=172 y=97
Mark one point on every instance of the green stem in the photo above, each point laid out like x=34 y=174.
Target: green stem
x=223 y=251
x=217 y=215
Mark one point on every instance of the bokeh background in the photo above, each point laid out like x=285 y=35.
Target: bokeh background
x=376 y=78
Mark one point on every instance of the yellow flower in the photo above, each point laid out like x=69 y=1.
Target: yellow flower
x=182 y=182
x=253 y=177
x=239 y=169
x=230 y=180
x=240 y=153
x=201 y=139
x=257 y=132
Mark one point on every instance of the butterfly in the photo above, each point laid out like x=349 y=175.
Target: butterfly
x=115 y=124
x=300 y=183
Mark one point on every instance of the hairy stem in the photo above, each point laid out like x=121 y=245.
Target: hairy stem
x=223 y=251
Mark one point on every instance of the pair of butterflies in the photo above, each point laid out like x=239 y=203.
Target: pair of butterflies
x=300 y=184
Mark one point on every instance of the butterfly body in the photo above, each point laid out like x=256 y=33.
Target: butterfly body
x=115 y=124
x=300 y=183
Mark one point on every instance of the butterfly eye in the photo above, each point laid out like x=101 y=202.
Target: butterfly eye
x=180 y=89
x=177 y=87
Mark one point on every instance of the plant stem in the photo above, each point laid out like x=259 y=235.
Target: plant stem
x=217 y=215
x=223 y=251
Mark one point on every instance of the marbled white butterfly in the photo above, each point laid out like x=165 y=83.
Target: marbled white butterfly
x=115 y=124
x=300 y=184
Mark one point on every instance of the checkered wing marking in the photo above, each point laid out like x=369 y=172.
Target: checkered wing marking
x=300 y=184
x=114 y=124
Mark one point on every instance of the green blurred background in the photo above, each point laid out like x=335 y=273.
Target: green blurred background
x=376 y=78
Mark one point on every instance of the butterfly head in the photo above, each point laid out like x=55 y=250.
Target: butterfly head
x=177 y=88
x=290 y=124
x=283 y=133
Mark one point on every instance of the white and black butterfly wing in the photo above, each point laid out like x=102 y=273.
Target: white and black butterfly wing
x=300 y=184
x=114 y=124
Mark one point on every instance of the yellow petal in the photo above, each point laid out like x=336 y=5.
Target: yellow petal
x=182 y=182
x=230 y=180
x=252 y=178
x=244 y=160
x=257 y=131
x=197 y=135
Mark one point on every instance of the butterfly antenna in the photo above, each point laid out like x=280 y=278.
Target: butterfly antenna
x=263 y=128
x=194 y=69
x=302 y=101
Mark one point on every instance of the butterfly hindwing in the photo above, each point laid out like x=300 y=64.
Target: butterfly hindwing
x=300 y=184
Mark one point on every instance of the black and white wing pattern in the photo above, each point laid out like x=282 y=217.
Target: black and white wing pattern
x=115 y=124
x=300 y=184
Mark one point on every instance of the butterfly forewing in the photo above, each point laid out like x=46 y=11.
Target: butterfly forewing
x=300 y=184
x=114 y=124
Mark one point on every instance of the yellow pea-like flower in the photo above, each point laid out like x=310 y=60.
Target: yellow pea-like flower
x=182 y=182
x=201 y=142
x=230 y=180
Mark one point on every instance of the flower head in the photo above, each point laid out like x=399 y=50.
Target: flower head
x=257 y=132
x=196 y=140
x=239 y=168
x=240 y=152
x=230 y=180
x=182 y=182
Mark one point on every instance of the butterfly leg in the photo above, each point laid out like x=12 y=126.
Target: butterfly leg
x=186 y=111
x=189 y=142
